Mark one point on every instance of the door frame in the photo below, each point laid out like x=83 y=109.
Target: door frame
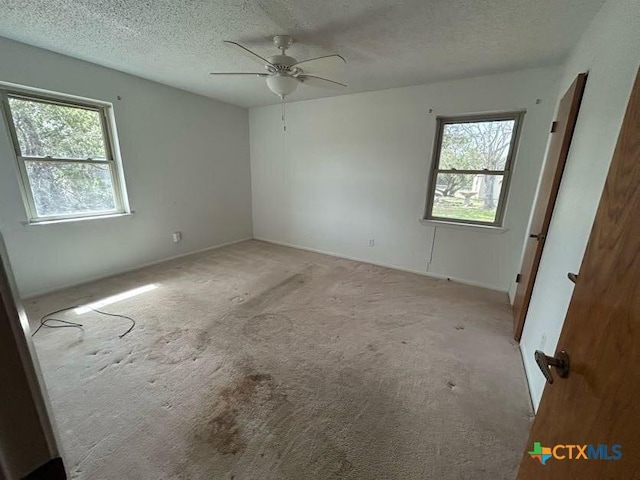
x=595 y=402
x=17 y=331
x=578 y=88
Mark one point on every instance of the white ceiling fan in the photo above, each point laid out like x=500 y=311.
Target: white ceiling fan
x=285 y=73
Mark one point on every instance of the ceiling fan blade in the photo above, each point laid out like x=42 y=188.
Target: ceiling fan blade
x=320 y=82
x=240 y=73
x=245 y=51
x=327 y=63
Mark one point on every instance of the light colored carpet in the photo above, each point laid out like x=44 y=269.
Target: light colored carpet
x=256 y=361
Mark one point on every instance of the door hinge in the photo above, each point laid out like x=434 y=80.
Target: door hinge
x=518 y=277
x=554 y=127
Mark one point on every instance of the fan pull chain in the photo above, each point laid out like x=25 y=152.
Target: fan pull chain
x=284 y=118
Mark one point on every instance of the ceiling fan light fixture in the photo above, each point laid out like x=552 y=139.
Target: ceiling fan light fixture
x=282 y=84
x=284 y=73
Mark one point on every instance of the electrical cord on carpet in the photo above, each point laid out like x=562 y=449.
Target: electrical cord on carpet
x=46 y=319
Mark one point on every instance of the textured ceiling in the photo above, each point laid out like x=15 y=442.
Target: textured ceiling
x=387 y=43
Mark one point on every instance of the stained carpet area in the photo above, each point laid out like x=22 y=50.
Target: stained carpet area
x=256 y=361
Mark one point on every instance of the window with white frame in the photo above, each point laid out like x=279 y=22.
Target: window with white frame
x=472 y=163
x=66 y=157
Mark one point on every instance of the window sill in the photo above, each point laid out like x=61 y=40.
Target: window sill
x=464 y=226
x=73 y=220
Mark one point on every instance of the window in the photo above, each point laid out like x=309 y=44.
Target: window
x=65 y=155
x=472 y=163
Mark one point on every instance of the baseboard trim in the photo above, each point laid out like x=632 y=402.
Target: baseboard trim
x=132 y=269
x=523 y=354
x=274 y=242
x=385 y=265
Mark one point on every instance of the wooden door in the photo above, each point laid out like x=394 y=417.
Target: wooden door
x=560 y=140
x=599 y=402
x=27 y=440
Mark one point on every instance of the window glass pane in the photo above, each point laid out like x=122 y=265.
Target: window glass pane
x=467 y=197
x=476 y=145
x=61 y=188
x=46 y=129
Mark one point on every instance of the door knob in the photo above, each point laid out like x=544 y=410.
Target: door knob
x=539 y=236
x=560 y=363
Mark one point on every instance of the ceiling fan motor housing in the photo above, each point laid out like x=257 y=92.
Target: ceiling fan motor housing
x=284 y=62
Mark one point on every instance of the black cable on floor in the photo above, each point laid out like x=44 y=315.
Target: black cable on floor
x=133 y=322
x=46 y=319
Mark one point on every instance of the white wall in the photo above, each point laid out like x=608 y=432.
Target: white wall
x=186 y=163
x=610 y=51
x=355 y=167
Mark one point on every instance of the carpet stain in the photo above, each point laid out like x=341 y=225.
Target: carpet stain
x=243 y=390
x=223 y=431
x=225 y=436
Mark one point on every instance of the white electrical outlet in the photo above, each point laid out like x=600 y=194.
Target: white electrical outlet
x=372 y=242
x=177 y=236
